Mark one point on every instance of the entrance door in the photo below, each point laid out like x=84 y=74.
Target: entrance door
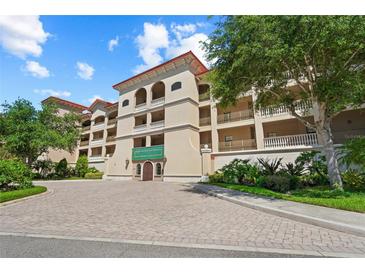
x=147 y=171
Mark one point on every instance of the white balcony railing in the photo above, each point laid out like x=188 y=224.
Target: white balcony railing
x=140 y=127
x=204 y=121
x=309 y=139
x=234 y=145
x=158 y=124
x=141 y=106
x=235 y=116
x=158 y=101
x=300 y=106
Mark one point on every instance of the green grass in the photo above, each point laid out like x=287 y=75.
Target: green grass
x=20 y=193
x=67 y=179
x=322 y=196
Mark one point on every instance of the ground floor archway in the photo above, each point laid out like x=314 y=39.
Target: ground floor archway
x=147 y=174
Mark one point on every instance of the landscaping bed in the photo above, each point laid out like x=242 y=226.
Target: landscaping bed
x=20 y=193
x=322 y=196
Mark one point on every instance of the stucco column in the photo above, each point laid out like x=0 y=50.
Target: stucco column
x=148 y=141
x=206 y=162
x=259 y=129
x=214 y=119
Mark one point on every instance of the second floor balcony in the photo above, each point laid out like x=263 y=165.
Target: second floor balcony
x=299 y=140
x=300 y=106
x=205 y=121
x=235 y=116
x=238 y=144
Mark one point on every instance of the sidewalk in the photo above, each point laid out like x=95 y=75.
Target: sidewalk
x=340 y=220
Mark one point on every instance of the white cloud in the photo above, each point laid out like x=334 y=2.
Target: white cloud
x=85 y=71
x=51 y=92
x=154 y=38
x=36 y=69
x=113 y=43
x=95 y=97
x=183 y=30
x=22 y=35
x=193 y=43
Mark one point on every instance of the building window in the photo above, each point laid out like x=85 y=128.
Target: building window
x=158 y=169
x=175 y=86
x=228 y=138
x=138 y=172
x=125 y=103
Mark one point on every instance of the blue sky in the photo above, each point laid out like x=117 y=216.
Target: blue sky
x=79 y=58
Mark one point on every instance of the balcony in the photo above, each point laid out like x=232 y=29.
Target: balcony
x=85 y=128
x=204 y=96
x=112 y=121
x=158 y=101
x=148 y=153
x=141 y=106
x=243 y=144
x=300 y=106
x=110 y=138
x=235 y=116
x=300 y=140
x=84 y=143
x=158 y=124
x=140 y=128
x=205 y=121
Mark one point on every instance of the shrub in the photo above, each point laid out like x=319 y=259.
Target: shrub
x=354 y=152
x=92 y=170
x=354 y=180
x=277 y=183
x=270 y=167
x=82 y=166
x=234 y=172
x=313 y=179
x=95 y=175
x=313 y=162
x=61 y=168
x=294 y=169
x=14 y=174
x=216 y=178
x=43 y=168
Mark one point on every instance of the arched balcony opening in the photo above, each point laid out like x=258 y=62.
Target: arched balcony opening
x=141 y=97
x=158 y=91
x=204 y=92
x=99 y=120
x=112 y=118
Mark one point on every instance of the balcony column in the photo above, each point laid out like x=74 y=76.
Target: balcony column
x=148 y=141
x=259 y=129
x=213 y=122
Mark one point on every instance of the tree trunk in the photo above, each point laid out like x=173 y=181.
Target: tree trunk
x=329 y=150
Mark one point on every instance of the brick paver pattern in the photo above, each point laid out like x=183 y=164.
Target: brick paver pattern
x=166 y=212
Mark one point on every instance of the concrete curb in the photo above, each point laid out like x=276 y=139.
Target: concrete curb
x=189 y=245
x=341 y=227
x=47 y=192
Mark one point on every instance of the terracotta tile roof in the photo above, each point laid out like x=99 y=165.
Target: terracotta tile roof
x=200 y=67
x=64 y=102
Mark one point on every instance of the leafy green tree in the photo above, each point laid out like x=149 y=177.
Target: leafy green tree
x=61 y=168
x=27 y=132
x=82 y=166
x=322 y=56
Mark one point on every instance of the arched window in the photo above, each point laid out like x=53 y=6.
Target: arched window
x=138 y=172
x=125 y=103
x=175 y=86
x=158 y=169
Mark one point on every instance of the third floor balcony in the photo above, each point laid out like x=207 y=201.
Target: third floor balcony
x=228 y=117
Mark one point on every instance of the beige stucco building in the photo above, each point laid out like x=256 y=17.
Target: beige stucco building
x=165 y=126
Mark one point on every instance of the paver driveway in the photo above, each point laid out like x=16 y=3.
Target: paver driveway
x=166 y=212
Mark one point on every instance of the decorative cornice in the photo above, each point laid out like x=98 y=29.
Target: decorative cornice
x=196 y=66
